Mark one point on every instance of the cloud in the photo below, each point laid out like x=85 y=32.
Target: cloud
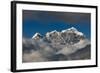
x=82 y=43
x=34 y=51
x=73 y=48
x=34 y=56
x=40 y=51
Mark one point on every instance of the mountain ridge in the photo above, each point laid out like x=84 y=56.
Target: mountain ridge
x=69 y=36
x=56 y=45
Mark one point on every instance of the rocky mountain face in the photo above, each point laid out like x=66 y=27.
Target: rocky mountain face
x=58 y=45
x=69 y=36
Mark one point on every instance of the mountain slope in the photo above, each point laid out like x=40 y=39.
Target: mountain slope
x=68 y=44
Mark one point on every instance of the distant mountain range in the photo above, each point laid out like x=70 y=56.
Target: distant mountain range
x=68 y=36
x=68 y=44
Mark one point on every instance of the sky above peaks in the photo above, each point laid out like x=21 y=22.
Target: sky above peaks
x=46 y=21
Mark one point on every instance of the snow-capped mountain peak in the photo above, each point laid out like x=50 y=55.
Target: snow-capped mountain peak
x=67 y=36
x=53 y=31
x=75 y=31
x=72 y=28
x=37 y=36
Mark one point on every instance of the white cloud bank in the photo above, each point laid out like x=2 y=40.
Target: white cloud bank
x=39 y=51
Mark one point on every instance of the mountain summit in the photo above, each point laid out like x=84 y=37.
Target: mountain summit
x=67 y=36
x=73 y=30
x=37 y=36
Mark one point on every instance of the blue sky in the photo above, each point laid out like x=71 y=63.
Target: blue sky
x=45 y=21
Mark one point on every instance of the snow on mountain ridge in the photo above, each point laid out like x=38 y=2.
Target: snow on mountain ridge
x=68 y=36
x=69 y=29
x=72 y=29
x=36 y=36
